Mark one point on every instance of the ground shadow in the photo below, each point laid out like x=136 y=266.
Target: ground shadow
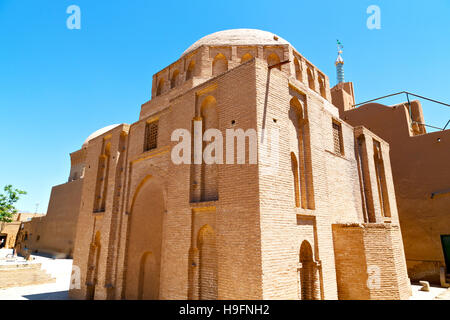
x=59 y=295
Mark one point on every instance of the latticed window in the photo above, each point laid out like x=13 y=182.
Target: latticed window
x=337 y=138
x=151 y=136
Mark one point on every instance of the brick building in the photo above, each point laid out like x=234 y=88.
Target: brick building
x=10 y=230
x=317 y=219
x=53 y=234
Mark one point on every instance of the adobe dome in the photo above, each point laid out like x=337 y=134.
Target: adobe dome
x=238 y=37
x=99 y=133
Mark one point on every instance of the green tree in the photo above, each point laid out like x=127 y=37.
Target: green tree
x=7 y=201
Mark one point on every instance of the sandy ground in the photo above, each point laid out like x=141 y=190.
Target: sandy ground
x=437 y=293
x=61 y=270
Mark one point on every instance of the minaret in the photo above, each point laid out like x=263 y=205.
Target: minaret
x=342 y=94
x=340 y=63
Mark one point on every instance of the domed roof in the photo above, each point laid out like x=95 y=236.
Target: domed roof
x=238 y=37
x=99 y=133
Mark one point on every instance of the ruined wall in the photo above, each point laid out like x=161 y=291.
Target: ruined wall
x=369 y=262
x=54 y=233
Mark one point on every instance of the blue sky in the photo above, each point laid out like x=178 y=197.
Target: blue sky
x=57 y=85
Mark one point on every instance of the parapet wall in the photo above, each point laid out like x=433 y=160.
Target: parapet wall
x=54 y=233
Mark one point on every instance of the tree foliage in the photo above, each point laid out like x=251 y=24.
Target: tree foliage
x=7 y=201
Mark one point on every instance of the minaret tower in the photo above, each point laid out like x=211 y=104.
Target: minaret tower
x=342 y=94
x=340 y=63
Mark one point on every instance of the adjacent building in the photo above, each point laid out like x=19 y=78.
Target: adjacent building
x=9 y=230
x=420 y=163
x=54 y=234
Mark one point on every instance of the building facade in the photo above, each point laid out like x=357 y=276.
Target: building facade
x=10 y=230
x=315 y=217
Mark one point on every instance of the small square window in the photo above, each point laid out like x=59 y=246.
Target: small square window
x=151 y=136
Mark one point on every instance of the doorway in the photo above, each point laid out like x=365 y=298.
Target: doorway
x=445 y=239
x=3 y=241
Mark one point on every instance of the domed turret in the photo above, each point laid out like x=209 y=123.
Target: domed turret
x=99 y=133
x=222 y=51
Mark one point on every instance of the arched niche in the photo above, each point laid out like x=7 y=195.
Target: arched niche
x=206 y=244
x=273 y=59
x=144 y=237
x=311 y=84
x=160 y=87
x=298 y=70
x=246 y=57
x=174 y=79
x=190 y=70
x=209 y=172
x=219 y=64
x=307 y=282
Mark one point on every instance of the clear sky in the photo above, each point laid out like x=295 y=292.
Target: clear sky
x=57 y=86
